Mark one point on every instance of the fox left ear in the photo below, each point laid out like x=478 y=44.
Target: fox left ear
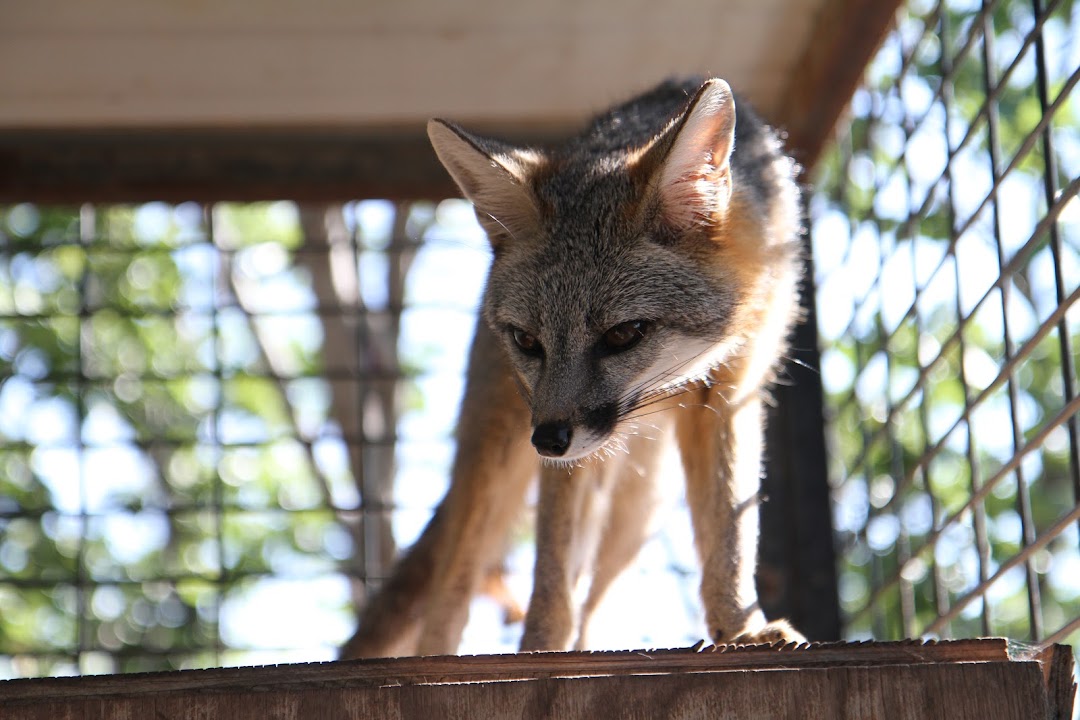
x=693 y=181
x=491 y=174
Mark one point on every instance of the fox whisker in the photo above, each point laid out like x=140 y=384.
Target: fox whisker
x=501 y=224
x=648 y=397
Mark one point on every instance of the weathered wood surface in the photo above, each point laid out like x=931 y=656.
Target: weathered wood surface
x=128 y=101
x=846 y=35
x=983 y=680
x=126 y=64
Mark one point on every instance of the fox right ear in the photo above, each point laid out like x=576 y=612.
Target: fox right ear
x=492 y=175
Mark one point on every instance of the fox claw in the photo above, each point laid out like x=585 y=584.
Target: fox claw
x=777 y=631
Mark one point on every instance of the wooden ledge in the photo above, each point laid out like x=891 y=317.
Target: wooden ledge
x=978 y=679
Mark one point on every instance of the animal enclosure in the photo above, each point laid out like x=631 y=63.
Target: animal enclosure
x=215 y=415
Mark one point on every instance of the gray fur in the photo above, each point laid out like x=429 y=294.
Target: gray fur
x=587 y=264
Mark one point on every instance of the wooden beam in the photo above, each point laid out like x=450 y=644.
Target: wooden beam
x=796 y=574
x=273 y=63
x=845 y=37
x=961 y=680
x=192 y=81
x=136 y=166
x=79 y=157
x=318 y=165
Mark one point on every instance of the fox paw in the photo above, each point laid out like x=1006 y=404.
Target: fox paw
x=778 y=631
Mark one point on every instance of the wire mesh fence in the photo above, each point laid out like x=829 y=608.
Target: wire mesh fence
x=202 y=415
x=947 y=252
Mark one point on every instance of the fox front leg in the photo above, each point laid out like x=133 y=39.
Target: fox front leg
x=630 y=519
x=422 y=608
x=493 y=467
x=720 y=443
x=570 y=514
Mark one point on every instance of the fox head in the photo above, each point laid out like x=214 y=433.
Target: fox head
x=627 y=262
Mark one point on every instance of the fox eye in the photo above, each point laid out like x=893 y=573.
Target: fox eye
x=527 y=342
x=624 y=336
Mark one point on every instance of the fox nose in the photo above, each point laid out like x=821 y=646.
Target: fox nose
x=551 y=439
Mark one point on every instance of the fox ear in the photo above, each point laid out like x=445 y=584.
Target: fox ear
x=693 y=180
x=492 y=175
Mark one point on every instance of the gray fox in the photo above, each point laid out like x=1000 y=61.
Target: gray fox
x=643 y=285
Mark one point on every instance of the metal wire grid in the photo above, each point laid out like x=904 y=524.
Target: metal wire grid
x=168 y=462
x=946 y=250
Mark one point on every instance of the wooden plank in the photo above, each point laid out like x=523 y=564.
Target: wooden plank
x=845 y=37
x=66 y=167
x=982 y=690
x=1057 y=665
x=904 y=693
x=212 y=101
x=262 y=63
x=491 y=668
x=796 y=574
